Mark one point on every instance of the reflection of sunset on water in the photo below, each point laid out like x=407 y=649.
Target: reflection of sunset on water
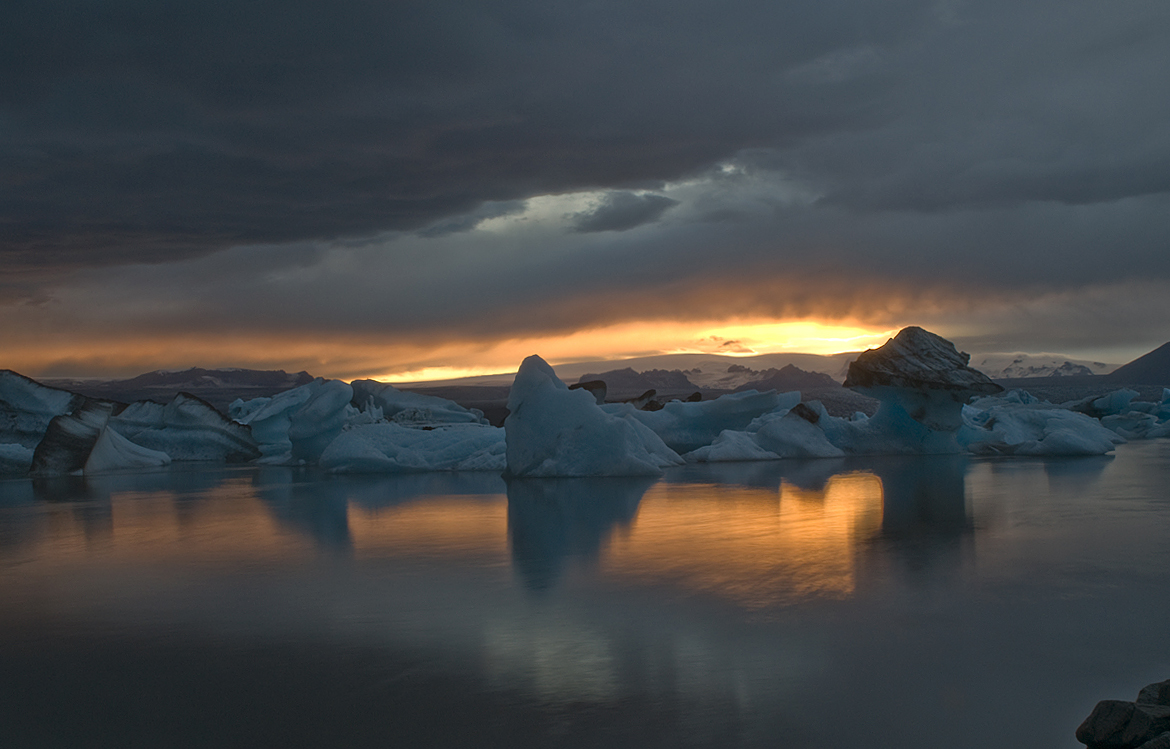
x=748 y=544
x=458 y=528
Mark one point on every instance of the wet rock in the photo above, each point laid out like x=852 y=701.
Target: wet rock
x=1161 y=741
x=1116 y=724
x=1155 y=694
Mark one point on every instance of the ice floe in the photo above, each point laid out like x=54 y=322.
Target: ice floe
x=554 y=431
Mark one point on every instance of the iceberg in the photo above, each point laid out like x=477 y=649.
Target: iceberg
x=15 y=458
x=923 y=374
x=999 y=426
x=187 y=428
x=297 y=425
x=27 y=407
x=687 y=426
x=83 y=442
x=393 y=448
x=554 y=431
x=784 y=433
x=412 y=408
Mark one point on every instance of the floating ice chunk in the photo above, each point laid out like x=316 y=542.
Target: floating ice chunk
x=554 y=431
x=1132 y=425
x=412 y=408
x=890 y=431
x=113 y=452
x=731 y=446
x=27 y=407
x=297 y=425
x=793 y=436
x=687 y=426
x=1033 y=429
x=82 y=442
x=924 y=375
x=393 y=448
x=187 y=428
x=15 y=459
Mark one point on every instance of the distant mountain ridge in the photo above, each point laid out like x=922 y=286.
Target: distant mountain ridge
x=1151 y=369
x=219 y=387
x=1020 y=365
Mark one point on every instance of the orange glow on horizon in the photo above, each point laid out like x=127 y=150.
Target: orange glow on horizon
x=384 y=358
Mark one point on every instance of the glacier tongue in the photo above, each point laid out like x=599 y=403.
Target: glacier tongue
x=554 y=431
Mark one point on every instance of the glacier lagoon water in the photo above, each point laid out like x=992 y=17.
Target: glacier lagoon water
x=910 y=602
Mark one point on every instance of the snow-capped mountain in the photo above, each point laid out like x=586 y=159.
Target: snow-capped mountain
x=1002 y=366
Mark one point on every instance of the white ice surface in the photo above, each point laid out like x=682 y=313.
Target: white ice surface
x=297 y=425
x=406 y=407
x=554 y=431
x=27 y=407
x=113 y=452
x=997 y=426
x=186 y=429
x=393 y=448
x=687 y=426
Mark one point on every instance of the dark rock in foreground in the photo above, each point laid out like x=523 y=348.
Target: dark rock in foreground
x=1117 y=724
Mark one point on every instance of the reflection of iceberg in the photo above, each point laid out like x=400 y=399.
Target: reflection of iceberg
x=924 y=510
x=552 y=520
x=923 y=495
x=314 y=508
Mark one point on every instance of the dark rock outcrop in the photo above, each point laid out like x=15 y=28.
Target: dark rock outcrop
x=1117 y=724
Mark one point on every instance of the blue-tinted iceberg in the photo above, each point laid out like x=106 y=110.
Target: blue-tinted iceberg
x=394 y=448
x=187 y=428
x=791 y=431
x=297 y=425
x=411 y=408
x=27 y=407
x=687 y=426
x=83 y=442
x=1019 y=426
x=554 y=431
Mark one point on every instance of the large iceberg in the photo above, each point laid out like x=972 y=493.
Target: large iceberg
x=27 y=407
x=83 y=442
x=686 y=426
x=554 y=431
x=187 y=428
x=297 y=425
x=394 y=448
x=411 y=408
x=923 y=374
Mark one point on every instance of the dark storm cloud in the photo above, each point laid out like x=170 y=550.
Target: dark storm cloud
x=622 y=210
x=151 y=130
x=783 y=159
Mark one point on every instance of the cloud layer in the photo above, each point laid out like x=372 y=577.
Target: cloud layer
x=454 y=171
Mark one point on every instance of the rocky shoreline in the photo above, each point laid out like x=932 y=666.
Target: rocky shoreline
x=1141 y=724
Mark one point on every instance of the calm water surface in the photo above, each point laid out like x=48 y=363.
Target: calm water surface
x=925 y=602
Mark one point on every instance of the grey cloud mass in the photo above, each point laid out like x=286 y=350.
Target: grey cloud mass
x=334 y=165
x=620 y=211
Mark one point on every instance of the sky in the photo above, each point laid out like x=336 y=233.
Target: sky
x=361 y=188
